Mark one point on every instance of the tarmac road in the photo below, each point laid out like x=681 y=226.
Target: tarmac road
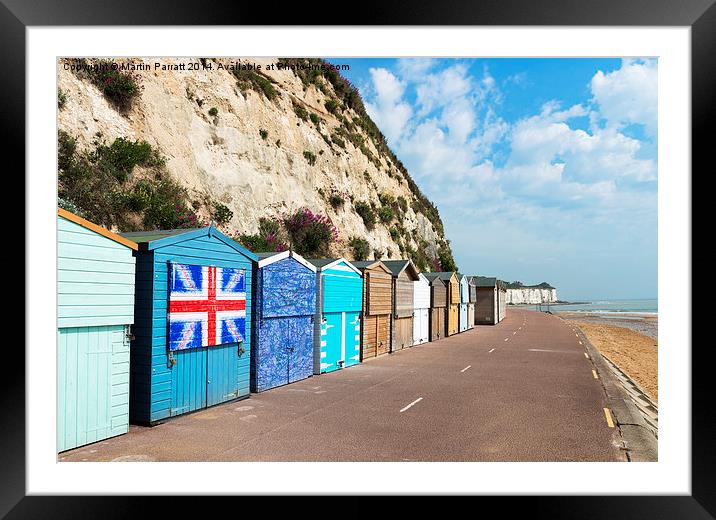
x=522 y=390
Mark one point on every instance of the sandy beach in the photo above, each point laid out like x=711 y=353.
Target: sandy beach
x=629 y=341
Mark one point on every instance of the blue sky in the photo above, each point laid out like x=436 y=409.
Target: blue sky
x=542 y=169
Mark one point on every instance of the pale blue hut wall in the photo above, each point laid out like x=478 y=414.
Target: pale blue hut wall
x=95 y=302
x=339 y=291
x=464 y=299
x=158 y=390
x=95 y=278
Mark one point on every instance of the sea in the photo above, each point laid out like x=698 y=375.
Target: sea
x=648 y=306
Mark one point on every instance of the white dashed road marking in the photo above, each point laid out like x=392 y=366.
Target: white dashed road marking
x=491 y=351
x=468 y=366
x=411 y=404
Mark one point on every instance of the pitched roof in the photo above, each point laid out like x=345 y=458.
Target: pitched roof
x=97 y=228
x=149 y=240
x=398 y=266
x=433 y=276
x=484 y=281
x=367 y=264
x=444 y=275
x=326 y=263
x=269 y=258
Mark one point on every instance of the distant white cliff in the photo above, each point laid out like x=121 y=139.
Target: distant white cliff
x=531 y=295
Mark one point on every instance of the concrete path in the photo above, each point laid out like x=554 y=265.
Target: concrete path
x=523 y=390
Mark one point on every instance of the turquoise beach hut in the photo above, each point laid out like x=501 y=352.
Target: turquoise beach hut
x=339 y=303
x=95 y=308
x=192 y=327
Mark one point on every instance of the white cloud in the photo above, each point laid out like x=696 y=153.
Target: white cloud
x=388 y=109
x=628 y=95
x=548 y=186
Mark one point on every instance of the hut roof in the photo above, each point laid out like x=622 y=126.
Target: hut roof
x=326 y=263
x=369 y=264
x=398 y=266
x=149 y=240
x=97 y=229
x=268 y=258
x=445 y=275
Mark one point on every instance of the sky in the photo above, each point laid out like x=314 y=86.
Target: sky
x=543 y=170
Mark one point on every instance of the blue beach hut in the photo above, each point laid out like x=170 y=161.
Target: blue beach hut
x=95 y=308
x=464 y=301
x=285 y=292
x=339 y=302
x=192 y=337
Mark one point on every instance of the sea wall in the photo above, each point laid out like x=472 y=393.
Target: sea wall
x=526 y=295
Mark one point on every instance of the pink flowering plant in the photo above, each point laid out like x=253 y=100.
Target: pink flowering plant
x=310 y=234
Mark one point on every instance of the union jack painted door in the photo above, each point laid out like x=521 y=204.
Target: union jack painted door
x=206 y=323
x=207 y=306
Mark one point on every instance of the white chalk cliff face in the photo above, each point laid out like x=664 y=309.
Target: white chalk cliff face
x=531 y=296
x=225 y=158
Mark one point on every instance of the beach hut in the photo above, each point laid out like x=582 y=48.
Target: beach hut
x=464 y=300
x=95 y=308
x=487 y=305
x=377 y=308
x=438 y=306
x=192 y=339
x=471 y=303
x=339 y=302
x=404 y=277
x=284 y=289
x=501 y=300
x=453 y=301
x=421 y=310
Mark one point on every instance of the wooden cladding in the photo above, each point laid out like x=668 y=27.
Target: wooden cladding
x=437 y=323
x=454 y=290
x=404 y=289
x=378 y=287
x=403 y=333
x=376 y=336
x=439 y=294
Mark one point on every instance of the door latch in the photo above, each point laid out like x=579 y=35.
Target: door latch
x=171 y=360
x=241 y=350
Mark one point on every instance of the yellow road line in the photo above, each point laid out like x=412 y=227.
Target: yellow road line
x=608 y=415
x=594 y=373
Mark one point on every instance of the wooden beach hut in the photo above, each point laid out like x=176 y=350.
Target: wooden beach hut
x=377 y=308
x=192 y=339
x=453 y=301
x=421 y=310
x=336 y=325
x=464 y=300
x=284 y=307
x=471 y=303
x=438 y=306
x=404 y=277
x=95 y=308
x=487 y=305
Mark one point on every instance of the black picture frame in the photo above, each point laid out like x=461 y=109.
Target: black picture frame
x=699 y=15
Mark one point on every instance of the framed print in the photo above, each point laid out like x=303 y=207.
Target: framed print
x=414 y=253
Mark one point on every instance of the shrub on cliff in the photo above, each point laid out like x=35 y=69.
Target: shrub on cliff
x=119 y=87
x=100 y=183
x=310 y=234
x=366 y=213
x=251 y=80
x=359 y=248
x=222 y=214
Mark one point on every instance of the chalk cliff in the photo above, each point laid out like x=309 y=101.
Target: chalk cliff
x=263 y=146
